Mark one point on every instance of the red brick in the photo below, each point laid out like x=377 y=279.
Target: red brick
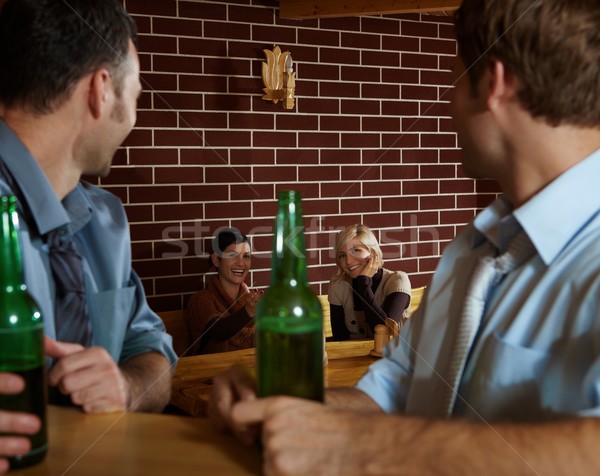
x=202 y=120
x=399 y=108
x=227 y=138
x=319 y=106
x=319 y=174
x=176 y=26
x=151 y=8
x=164 y=267
x=457 y=186
x=175 y=100
x=202 y=47
x=204 y=193
x=138 y=137
x=400 y=43
x=319 y=71
x=419 y=156
x=438 y=140
x=384 y=91
x=318 y=37
x=156 y=119
x=179 y=175
x=251 y=191
x=200 y=83
x=226 y=30
x=158 y=81
x=339 y=55
x=297 y=156
x=318 y=139
x=438 y=202
x=380 y=58
x=421 y=29
x=380 y=25
x=224 y=102
x=358 y=140
x=153 y=194
x=381 y=188
x=361 y=40
x=345 y=189
x=400 y=172
x=226 y=175
x=251 y=14
x=178 y=138
x=274 y=174
x=427 y=93
x=362 y=205
x=157 y=44
x=359 y=73
x=438 y=46
x=381 y=156
x=227 y=209
x=400 y=76
x=412 y=187
x=204 y=156
x=341 y=90
x=381 y=124
x=252 y=156
x=361 y=107
x=419 y=124
x=337 y=123
x=203 y=10
x=178 y=212
x=400 y=140
x=177 y=64
x=128 y=176
x=139 y=213
x=342 y=23
x=411 y=60
x=297 y=123
x=267 y=33
x=274 y=139
x=345 y=156
x=226 y=66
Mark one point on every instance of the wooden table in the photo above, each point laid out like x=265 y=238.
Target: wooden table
x=193 y=377
x=139 y=444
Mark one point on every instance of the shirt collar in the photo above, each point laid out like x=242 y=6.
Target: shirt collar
x=551 y=218
x=46 y=209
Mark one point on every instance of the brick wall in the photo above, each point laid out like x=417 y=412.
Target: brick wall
x=369 y=140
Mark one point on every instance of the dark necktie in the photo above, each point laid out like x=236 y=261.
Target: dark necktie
x=70 y=311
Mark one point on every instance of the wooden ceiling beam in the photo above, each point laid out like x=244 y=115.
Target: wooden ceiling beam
x=301 y=9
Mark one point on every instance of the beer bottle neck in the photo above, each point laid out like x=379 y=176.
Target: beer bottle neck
x=289 y=251
x=11 y=265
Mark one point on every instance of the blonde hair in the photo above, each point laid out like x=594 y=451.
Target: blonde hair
x=363 y=234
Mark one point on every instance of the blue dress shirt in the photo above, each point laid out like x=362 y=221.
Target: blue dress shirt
x=537 y=352
x=120 y=317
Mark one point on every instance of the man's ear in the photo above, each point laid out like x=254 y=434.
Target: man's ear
x=99 y=90
x=215 y=260
x=501 y=84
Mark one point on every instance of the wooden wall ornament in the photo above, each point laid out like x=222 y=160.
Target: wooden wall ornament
x=278 y=77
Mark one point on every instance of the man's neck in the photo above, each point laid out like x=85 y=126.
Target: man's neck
x=51 y=143
x=537 y=160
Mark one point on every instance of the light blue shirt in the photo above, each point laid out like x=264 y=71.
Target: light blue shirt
x=537 y=353
x=120 y=317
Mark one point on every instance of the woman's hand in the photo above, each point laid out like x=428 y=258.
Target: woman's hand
x=370 y=268
x=253 y=298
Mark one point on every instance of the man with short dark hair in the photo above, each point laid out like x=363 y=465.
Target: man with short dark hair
x=69 y=83
x=498 y=372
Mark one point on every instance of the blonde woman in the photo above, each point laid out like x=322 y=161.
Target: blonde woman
x=363 y=293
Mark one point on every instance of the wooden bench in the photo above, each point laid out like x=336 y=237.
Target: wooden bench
x=175 y=324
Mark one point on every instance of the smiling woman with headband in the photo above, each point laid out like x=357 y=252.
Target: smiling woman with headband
x=363 y=293
x=221 y=317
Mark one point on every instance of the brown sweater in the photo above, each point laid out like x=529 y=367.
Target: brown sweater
x=218 y=324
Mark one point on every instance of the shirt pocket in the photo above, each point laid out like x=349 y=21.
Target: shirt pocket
x=508 y=381
x=110 y=313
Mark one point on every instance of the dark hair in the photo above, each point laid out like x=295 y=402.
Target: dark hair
x=551 y=46
x=226 y=237
x=46 y=46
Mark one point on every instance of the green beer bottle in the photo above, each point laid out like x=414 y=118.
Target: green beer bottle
x=289 y=317
x=21 y=335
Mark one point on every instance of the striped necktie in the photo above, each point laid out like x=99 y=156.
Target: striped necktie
x=70 y=314
x=70 y=311
x=486 y=275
